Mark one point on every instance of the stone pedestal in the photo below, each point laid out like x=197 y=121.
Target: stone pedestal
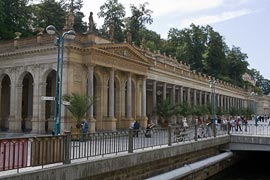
x=109 y=124
x=126 y=122
x=92 y=125
x=143 y=121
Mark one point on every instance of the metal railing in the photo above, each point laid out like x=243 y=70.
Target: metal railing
x=18 y=153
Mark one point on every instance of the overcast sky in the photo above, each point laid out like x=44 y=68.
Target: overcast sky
x=242 y=23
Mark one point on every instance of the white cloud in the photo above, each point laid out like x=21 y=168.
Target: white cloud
x=211 y=19
x=161 y=7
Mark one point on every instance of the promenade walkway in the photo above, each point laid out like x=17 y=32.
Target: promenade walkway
x=100 y=145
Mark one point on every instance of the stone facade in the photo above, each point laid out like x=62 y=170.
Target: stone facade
x=125 y=80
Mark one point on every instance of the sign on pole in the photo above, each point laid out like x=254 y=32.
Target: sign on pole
x=47 y=98
x=66 y=103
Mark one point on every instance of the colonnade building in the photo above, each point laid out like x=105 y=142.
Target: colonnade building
x=125 y=80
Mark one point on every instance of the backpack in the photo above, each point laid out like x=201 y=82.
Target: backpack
x=85 y=125
x=136 y=125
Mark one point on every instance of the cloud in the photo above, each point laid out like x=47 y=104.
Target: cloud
x=211 y=19
x=162 y=8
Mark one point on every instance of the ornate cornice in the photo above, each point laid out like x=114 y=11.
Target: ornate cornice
x=114 y=47
x=27 y=51
x=108 y=53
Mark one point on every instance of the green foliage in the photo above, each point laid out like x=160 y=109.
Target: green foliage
x=214 y=55
x=49 y=12
x=15 y=16
x=139 y=17
x=153 y=41
x=234 y=111
x=113 y=13
x=237 y=65
x=185 y=109
x=79 y=104
x=166 y=109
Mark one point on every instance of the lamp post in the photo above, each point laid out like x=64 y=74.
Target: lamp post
x=59 y=69
x=213 y=104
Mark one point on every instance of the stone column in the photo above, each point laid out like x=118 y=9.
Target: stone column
x=173 y=94
x=90 y=93
x=42 y=109
x=129 y=96
x=12 y=107
x=90 y=88
x=164 y=91
x=109 y=121
x=195 y=97
x=181 y=95
x=65 y=123
x=154 y=93
x=173 y=118
x=221 y=101
x=154 y=98
x=18 y=109
x=111 y=94
x=205 y=98
x=218 y=100
x=188 y=96
x=37 y=126
x=144 y=97
x=200 y=98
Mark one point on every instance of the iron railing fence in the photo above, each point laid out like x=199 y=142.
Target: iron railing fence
x=251 y=129
x=18 y=153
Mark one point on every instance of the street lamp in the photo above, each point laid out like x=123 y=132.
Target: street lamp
x=58 y=89
x=213 y=103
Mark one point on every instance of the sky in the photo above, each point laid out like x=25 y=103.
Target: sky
x=242 y=23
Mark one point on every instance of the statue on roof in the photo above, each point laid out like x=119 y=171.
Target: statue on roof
x=111 y=31
x=129 y=37
x=91 y=22
x=70 y=18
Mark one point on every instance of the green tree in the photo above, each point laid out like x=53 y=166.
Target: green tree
x=214 y=55
x=15 y=15
x=152 y=39
x=139 y=18
x=188 y=45
x=79 y=104
x=113 y=13
x=237 y=65
x=49 y=12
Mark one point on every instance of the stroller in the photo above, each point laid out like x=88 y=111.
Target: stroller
x=148 y=132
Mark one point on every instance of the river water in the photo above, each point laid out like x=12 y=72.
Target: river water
x=254 y=166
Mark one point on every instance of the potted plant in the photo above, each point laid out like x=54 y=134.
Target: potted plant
x=78 y=105
x=166 y=109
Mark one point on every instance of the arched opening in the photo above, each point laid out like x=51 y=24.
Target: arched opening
x=5 y=103
x=27 y=103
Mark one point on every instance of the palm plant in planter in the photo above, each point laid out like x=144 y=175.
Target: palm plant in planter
x=166 y=109
x=78 y=105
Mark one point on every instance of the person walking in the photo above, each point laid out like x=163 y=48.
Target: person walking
x=136 y=128
x=85 y=127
